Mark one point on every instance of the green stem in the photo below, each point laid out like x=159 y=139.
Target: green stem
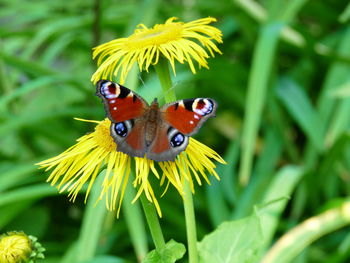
x=190 y=224
x=162 y=69
x=153 y=222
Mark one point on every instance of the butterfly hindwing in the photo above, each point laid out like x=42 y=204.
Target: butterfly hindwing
x=188 y=115
x=130 y=137
x=167 y=144
x=121 y=103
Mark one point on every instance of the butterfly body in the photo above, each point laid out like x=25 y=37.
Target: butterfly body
x=160 y=133
x=152 y=122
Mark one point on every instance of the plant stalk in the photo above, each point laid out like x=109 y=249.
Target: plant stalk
x=153 y=222
x=162 y=69
x=190 y=224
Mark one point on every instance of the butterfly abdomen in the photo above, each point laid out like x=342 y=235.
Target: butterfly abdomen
x=152 y=118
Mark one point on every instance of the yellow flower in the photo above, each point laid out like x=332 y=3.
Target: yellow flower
x=178 y=41
x=82 y=162
x=16 y=247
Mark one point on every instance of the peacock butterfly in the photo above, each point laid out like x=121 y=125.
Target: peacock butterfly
x=159 y=132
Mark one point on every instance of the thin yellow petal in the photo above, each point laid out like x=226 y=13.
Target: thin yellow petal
x=173 y=40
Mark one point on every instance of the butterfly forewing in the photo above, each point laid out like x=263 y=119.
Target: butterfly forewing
x=121 y=104
x=188 y=115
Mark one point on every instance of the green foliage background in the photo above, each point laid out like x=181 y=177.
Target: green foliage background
x=282 y=84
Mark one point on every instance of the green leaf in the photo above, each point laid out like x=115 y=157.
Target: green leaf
x=219 y=192
x=260 y=74
x=282 y=186
x=135 y=222
x=15 y=174
x=34 y=69
x=170 y=253
x=93 y=223
x=302 y=111
x=292 y=243
x=263 y=172
x=234 y=241
x=341 y=92
x=27 y=193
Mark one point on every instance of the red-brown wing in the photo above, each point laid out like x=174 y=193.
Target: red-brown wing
x=188 y=115
x=120 y=103
x=167 y=144
x=132 y=142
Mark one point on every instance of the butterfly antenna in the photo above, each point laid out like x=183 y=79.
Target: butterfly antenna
x=141 y=80
x=173 y=87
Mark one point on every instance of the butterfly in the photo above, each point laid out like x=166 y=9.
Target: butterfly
x=140 y=129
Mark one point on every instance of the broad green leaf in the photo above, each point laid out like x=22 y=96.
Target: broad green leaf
x=235 y=241
x=169 y=254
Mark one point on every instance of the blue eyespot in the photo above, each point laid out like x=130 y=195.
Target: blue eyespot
x=121 y=129
x=177 y=140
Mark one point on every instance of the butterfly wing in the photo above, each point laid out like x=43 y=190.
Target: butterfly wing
x=188 y=115
x=130 y=137
x=121 y=103
x=126 y=110
x=179 y=120
x=167 y=144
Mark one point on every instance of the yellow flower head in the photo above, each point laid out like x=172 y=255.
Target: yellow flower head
x=82 y=162
x=17 y=247
x=179 y=41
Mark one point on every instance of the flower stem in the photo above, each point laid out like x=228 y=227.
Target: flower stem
x=190 y=224
x=162 y=69
x=153 y=222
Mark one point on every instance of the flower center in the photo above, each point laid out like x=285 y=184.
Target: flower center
x=155 y=36
x=103 y=137
x=14 y=247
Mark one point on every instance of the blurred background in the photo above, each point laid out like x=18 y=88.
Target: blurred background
x=303 y=127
